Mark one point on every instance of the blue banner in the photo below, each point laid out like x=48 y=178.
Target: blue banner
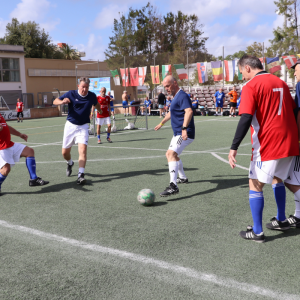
x=97 y=83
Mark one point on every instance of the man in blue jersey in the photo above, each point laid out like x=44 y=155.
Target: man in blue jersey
x=147 y=104
x=182 y=121
x=218 y=99
x=112 y=110
x=80 y=103
x=168 y=104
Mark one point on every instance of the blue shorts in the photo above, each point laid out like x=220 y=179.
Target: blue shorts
x=112 y=106
x=219 y=104
x=125 y=103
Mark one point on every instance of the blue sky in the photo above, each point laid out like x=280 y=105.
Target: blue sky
x=87 y=25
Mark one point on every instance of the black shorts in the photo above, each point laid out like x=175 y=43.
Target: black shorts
x=19 y=113
x=232 y=104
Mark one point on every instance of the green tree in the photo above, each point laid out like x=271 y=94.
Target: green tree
x=36 y=42
x=69 y=53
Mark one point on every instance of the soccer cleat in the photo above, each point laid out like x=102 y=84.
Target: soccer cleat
x=81 y=180
x=293 y=221
x=182 y=180
x=278 y=225
x=69 y=169
x=251 y=236
x=37 y=182
x=99 y=142
x=109 y=140
x=172 y=189
x=18 y=121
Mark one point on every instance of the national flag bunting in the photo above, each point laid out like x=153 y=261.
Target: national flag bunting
x=191 y=68
x=125 y=78
x=230 y=69
x=202 y=72
x=116 y=77
x=155 y=74
x=289 y=60
x=181 y=71
x=134 y=76
x=273 y=64
x=217 y=70
x=240 y=76
x=166 y=70
x=142 y=75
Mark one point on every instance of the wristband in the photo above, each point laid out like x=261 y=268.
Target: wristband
x=161 y=124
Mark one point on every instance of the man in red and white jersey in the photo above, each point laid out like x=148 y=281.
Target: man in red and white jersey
x=11 y=152
x=104 y=117
x=19 y=109
x=266 y=106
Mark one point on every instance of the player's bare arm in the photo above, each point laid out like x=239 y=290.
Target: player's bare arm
x=231 y=158
x=60 y=102
x=17 y=133
x=186 y=121
x=164 y=121
x=98 y=107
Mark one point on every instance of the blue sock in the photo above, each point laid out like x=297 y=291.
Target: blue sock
x=256 y=201
x=108 y=134
x=98 y=136
x=2 y=178
x=30 y=163
x=279 y=193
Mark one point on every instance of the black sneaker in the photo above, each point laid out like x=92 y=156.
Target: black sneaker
x=293 y=221
x=251 y=236
x=109 y=140
x=80 y=179
x=278 y=225
x=182 y=180
x=69 y=169
x=37 y=182
x=172 y=189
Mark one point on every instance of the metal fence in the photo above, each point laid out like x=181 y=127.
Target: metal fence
x=28 y=100
x=45 y=99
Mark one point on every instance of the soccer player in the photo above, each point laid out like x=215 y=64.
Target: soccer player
x=112 y=110
x=11 y=152
x=19 y=109
x=80 y=103
x=266 y=106
x=125 y=103
x=104 y=117
x=233 y=100
x=168 y=104
x=147 y=103
x=182 y=121
x=218 y=99
x=293 y=180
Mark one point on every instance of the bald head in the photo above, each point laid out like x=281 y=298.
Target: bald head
x=171 y=85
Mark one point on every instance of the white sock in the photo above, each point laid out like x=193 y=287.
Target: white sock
x=180 y=170
x=173 y=170
x=70 y=162
x=297 y=204
x=81 y=170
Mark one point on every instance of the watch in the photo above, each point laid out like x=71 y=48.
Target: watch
x=183 y=128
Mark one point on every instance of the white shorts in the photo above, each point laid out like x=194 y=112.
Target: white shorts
x=265 y=171
x=102 y=121
x=75 y=134
x=294 y=173
x=11 y=155
x=178 y=144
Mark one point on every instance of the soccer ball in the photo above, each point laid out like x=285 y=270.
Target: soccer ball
x=146 y=197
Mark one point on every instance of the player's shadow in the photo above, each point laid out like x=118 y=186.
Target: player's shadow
x=221 y=184
x=126 y=141
x=283 y=234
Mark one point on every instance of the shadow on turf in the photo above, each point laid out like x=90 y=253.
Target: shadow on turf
x=139 y=140
x=283 y=234
x=222 y=184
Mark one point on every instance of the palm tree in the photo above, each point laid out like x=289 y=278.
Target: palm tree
x=69 y=52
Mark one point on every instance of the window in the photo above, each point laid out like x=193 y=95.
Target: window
x=9 y=69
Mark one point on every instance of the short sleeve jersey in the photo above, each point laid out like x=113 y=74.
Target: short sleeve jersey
x=147 y=102
x=79 y=107
x=111 y=100
x=5 y=137
x=274 y=132
x=234 y=96
x=161 y=99
x=20 y=106
x=104 y=104
x=195 y=103
x=181 y=102
x=168 y=103
x=219 y=96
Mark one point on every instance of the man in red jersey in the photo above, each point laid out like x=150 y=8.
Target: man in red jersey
x=11 y=152
x=266 y=106
x=19 y=109
x=104 y=117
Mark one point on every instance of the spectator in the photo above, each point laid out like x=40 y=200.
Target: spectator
x=168 y=104
x=195 y=105
x=218 y=99
x=233 y=101
x=147 y=103
x=161 y=103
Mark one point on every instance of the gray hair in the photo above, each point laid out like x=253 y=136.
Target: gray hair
x=252 y=61
x=171 y=78
x=85 y=80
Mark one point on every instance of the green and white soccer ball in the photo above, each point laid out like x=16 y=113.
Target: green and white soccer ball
x=146 y=197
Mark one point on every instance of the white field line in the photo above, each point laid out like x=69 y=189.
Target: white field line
x=23 y=129
x=227 y=162
x=188 y=272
